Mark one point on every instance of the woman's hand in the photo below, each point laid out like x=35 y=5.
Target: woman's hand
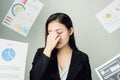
x=51 y=43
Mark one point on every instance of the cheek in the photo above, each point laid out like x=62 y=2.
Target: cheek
x=64 y=37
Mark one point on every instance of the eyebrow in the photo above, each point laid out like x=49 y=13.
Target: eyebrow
x=55 y=30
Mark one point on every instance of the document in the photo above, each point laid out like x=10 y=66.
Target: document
x=110 y=70
x=12 y=59
x=109 y=17
x=22 y=15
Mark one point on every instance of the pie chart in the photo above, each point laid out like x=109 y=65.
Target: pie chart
x=17 y=8
x=8 y=54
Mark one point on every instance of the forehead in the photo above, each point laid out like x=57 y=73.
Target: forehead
x=55 y=25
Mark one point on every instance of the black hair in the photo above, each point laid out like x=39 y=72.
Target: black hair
x=65 y=20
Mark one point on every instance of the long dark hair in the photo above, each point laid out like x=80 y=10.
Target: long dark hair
x=65 y=20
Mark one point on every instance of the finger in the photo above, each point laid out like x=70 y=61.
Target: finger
x=57 y=39
x=53 y=35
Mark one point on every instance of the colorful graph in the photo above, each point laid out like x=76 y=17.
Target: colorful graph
x=108 y=15
x=8 y=54
x=24 y=1
x=17 y=8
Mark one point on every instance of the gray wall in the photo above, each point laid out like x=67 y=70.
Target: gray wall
x=90 y=35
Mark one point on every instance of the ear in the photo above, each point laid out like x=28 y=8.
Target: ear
x=71 y=31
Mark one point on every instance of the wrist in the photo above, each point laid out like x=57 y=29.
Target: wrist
x=47 y=52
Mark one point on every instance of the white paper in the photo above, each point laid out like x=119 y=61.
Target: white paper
x=22 y=15
x=12 y=59
x=110 y=70
x=109 y=17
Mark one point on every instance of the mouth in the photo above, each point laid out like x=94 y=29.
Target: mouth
x=58 y=43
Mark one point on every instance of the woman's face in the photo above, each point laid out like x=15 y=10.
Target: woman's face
x=62 y=32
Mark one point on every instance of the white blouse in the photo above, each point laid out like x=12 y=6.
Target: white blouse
x=63 y=73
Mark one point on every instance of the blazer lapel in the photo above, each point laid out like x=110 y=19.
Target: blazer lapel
x=75 y=65
x=55 y=70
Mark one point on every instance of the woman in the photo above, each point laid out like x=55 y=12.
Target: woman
x=60 y=59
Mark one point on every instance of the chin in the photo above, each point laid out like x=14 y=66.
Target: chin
x=58 y=47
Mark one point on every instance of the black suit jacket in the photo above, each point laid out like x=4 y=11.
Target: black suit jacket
x=44 y=68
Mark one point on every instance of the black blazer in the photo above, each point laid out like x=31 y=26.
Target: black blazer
x=45 y=68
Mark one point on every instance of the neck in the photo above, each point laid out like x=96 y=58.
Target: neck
x=65 y=50
x=64 y=56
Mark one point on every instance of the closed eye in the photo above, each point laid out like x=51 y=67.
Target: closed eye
x=59 y=32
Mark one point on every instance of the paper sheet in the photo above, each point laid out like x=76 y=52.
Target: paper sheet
x=110 y=70
x=22 y=15
x=109 y=17
x=12 y=59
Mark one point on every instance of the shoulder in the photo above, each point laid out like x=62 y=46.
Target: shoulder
x=39 y=51
x=83 y=57
x=81 y=53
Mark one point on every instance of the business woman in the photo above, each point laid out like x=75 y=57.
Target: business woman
x=60 y=59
